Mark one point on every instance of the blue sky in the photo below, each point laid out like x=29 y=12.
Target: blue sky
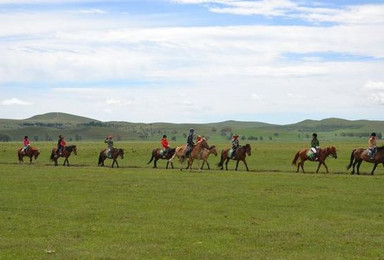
x=197 y=61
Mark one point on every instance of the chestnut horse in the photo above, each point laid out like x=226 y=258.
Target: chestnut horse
x=194 y=154
x=157 y=154
x=114 y=154
x=322 y=154
x=66 y=153
x=361 y=154
x=240 y=155
x=32 y=152
x=205 y=154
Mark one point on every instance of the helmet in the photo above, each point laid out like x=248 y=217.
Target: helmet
x=191 y=130
x=60 y=136
x=314 y=135
x=25 y=136
x=373 y=134
x=110 y=136
x=164 y=136
x=235 y=135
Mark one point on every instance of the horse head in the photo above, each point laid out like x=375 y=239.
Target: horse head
x=248 y=149
x=121 y=153
x=332 y=151
x=74 y=149
x=213 y=150
x=36 y=153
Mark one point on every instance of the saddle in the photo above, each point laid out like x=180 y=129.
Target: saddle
x=311 y=154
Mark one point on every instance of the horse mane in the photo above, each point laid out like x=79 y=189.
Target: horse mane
x=213 y=146
x=380 y=148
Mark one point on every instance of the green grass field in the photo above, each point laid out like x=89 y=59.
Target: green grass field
x=136 y=212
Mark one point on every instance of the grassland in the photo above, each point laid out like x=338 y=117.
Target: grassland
x=86 y=212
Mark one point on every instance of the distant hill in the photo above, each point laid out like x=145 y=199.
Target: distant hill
x=47 y=127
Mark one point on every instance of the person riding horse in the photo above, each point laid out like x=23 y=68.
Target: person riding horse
x=165 y=145
x=315 y=145
x=26 y=144
x=61 y=144
x=109 y=142
x=190 y=142
x=372 y=145
x=235 y=145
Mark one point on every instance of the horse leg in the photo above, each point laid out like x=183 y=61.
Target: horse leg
x=374 y=168
x=113 y=162
x=117 y=164
x=302 y=166
x=209 y=168
x=358 y=167
x=166 y=167
x=353 y=167
x=155 y=163
x=237 y=164
x=246 y=166
x=202 y=165
x=226 y=164
x=30 y=160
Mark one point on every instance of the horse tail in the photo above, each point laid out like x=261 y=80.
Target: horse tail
x=52 y=155
x=221 y=159
x=153 y=156
x=351 y=159
x=296 y=157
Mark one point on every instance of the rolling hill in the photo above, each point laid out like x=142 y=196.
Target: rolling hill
x=47 y=127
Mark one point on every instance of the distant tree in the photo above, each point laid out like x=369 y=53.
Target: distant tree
x=36 y=138
x=78 y=137
x=261 y=138
x=213 y=129
x=243 y=138
x=276 y=134
x=379 y=135
x=5 y=138
x=270 y=138
x=173 y=138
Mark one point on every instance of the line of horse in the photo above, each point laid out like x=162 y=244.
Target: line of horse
x=201 y=151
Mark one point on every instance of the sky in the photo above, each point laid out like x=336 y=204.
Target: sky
x=193 y=61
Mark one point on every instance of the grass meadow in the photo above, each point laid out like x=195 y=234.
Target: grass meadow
x=135 y=212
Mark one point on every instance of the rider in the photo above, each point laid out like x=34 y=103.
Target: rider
x=109 y=141
x=372 y=145
x=235 y=145
x=315 y=145
x=190 y=142
x=60 y=145
x=165 y=144
x=26 y=144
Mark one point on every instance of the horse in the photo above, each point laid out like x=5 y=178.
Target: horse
x=361 y=154
x=66 y=153
x=195 y=153
x=205 y=154
x=115 y=153
x=321 y=156
x=240 y=155
x=156 y=155
x=32 y=152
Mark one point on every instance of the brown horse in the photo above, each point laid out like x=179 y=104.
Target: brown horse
x=195 y=153
x=32 y=152
x=114 y=154
x=205 y=154
x=361 y=154
x=157 y=154
x=321 y=156
x=240 y=155
x=66 y=153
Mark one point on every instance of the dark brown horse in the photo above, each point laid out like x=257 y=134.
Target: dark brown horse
x=240 y=155
x=361 y=154
x=116 y=152
x=32 y=152
x=157 y=154
x=66 y=153
x=321 y=156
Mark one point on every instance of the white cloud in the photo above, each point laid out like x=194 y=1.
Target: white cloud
x=374 y=85
x=15 y=101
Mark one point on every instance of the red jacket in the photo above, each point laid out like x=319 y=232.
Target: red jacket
x=164 y=143
x=63 y=143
